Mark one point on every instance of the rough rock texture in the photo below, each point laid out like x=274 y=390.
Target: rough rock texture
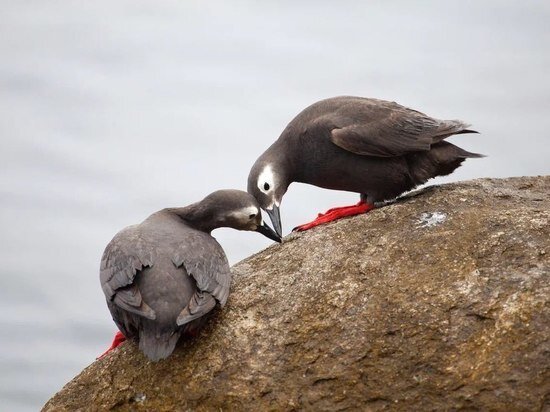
x=438 y=302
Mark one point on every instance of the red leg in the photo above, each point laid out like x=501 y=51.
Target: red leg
x=118 y=339
x=336 y=213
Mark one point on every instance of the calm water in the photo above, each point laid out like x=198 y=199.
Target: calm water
x=112 y=110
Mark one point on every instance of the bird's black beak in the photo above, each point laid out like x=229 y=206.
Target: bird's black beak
x=268 y=232
x=275 y=217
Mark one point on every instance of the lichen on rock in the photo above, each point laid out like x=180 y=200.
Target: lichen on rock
x=373 y=312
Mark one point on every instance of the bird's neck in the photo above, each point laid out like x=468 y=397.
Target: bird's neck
x=197 y=216
x=285 y=161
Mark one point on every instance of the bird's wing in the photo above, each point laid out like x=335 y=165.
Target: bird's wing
x=204 y=259
x=386 y=129
x=124 y=257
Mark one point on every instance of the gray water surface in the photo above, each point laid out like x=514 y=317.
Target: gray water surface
x=112 y=110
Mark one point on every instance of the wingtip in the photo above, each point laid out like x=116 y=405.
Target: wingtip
x=465 y=131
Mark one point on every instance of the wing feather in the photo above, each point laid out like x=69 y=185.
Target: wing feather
x=124 y=257
x=200 y=304
x=204 y=259
x=386 y=129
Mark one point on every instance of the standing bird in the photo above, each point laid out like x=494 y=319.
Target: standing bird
x=161 y=277
x=373 y=147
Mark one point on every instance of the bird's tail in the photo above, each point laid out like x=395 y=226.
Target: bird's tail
x=441 y=160
x=157 y=346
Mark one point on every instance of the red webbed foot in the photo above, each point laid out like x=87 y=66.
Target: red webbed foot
x=336 y=213
x=118 y=339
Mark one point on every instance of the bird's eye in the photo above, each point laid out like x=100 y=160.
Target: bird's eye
x=266 y=186
x=252 y=216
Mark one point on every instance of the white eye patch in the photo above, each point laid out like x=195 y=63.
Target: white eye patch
x=243 y=215
x=266 y=180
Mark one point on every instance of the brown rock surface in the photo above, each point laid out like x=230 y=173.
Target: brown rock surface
x=438 y=302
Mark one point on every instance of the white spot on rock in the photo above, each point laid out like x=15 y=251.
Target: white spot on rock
x=431 y=219
x=140 y=397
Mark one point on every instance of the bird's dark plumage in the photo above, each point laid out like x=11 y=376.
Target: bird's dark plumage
x=161 y=277
x=377 y=148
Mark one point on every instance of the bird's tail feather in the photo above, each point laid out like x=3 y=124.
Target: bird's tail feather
x=441 y=160
x=459 y=152
x=157 y=346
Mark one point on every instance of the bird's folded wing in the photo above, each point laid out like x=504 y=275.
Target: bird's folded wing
x=204 y=259
x=123 y=258
x=200 y=304
x=394 y=132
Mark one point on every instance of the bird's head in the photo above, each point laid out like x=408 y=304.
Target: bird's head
x=238 y=210
x=268 y=185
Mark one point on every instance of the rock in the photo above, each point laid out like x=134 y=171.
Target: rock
x=440 y=301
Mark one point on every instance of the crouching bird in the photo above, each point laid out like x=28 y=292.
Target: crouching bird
x=162 y=276
x=373 y=147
